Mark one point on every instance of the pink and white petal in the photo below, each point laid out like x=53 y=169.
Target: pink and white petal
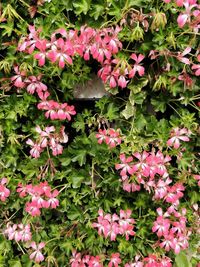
x=182 y=19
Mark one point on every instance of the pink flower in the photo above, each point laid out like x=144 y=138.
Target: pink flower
x=37 y=256
x=53 y=202
x=114 y=260
x=182 y=19
x=61 y=51
x=34 y=85
x=101 y=136
x=33 y=209
x=122 y=81
x=161 y=226
x=197 y=68
x=36 y=148
x=136 y=263
x=111 y=225
x=137 y=67
x=18 y=232
x=111 y=137
x=41 y=45
x=18 y=79
x=197 y=177
x=4 y=192
x=178 y=134
x=22 y=190
x=188 y=82
x=125 y=166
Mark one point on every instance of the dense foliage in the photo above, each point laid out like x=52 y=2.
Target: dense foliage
x=104 y=182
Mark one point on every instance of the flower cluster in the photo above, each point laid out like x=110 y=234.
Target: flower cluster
x=176 y=135
x=91 y=261
x=113 y=225
x=21 y=232
x=18 y=232
x=171 y=229
x=41 y=197
x=99 y=43
x=155 y=261
x=4 y=191
x=190 y=16
x=48 y=137
x=117 y=72
x=152 y=260
x=32 y=83
x=151 y=172
x=110 y=136
x=57 y=111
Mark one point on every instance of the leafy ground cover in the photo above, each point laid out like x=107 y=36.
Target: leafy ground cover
x=108 y=182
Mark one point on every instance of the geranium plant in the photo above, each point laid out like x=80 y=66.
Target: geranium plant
x=111 y=181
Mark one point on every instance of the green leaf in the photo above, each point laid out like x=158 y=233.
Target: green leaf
x=137 y=98
x=74 y=213
x=138 y=3
x=181 y=260
x=97 y=11
x=115 y=10
x=140 y=121
x=14 y=263
x=81 y=6
x=136 y=87
x=129 y=111
x=68 y=4
x=77 y=180
x=80 y=157
x=112 y=113
x=65 y=161
x=158 y=104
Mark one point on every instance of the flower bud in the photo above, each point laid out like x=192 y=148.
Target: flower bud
x=159 y=21
x=137 y=33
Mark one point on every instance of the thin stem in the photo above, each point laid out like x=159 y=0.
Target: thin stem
x=62 y=188
x=20 y=248
x=51 y=240
x=174 y=109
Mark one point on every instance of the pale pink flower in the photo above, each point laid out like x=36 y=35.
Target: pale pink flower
x=36 y=148
x=18 y=232
x=37 y=255
x=35 y=85
x=181 y=56
x=178 y=134
x=17 y=79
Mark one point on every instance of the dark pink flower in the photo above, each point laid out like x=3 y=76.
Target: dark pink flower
x=114 y=260
x=4 y=191
x=137 y=67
